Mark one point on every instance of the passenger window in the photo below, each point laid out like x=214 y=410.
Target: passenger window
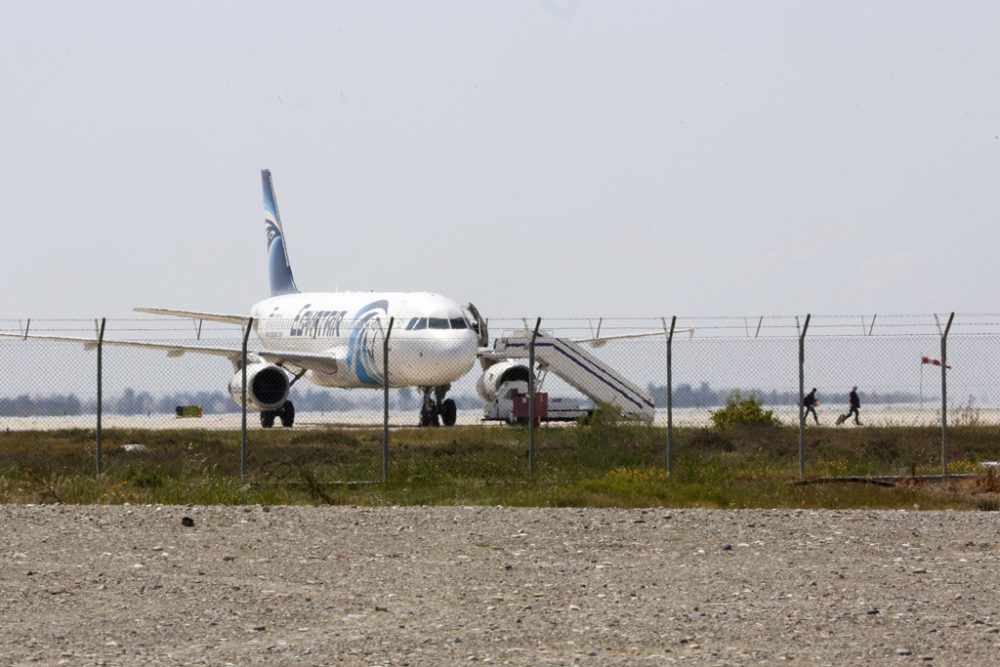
x=439 y=323
x=458 y=323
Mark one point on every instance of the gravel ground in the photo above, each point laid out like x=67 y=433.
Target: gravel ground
x=430 y=586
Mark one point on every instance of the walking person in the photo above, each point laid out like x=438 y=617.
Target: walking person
x=853 y=408
x=810 y=403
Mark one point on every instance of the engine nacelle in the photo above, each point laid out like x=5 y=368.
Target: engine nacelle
x=267 y=387
x=497 y=374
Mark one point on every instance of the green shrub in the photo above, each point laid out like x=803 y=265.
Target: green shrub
x=604 y=415
x=743 y=411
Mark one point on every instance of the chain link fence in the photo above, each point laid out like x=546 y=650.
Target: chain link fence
x=927 y=387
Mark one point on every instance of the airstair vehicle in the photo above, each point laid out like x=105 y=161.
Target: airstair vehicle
x=506 y=374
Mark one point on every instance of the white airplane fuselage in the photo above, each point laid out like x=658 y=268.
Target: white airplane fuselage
x=431 y=343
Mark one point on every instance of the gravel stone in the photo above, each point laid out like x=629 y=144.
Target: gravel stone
x=528 y=586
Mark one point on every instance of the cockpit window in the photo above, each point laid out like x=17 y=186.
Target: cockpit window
x=418 y=323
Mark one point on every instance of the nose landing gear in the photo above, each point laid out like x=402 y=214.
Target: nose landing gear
x=437 y=406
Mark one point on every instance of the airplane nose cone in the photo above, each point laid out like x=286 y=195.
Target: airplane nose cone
x=457 y=354
x=441 y=360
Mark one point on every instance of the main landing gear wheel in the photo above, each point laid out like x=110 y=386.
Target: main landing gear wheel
x=429 y=418
x=436 y=408
x=287 y=414
x=449 y=412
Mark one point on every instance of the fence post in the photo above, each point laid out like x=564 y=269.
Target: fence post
x=100 y=394
x=670 y=392
x=243 y=429
x=385 y=401
x=944 y=396
x=802 y=393
x=531 y=399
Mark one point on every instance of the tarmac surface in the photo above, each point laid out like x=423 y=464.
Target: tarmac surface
x=117 y=585
x=886 y=415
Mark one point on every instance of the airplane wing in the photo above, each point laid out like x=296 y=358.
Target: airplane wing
x=291 y=361
x=295 y=361
x=195 y=315
x=172 y=349
x=599 y=342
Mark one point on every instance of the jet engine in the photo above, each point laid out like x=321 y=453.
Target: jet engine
x=267 y=387
x=499 y=373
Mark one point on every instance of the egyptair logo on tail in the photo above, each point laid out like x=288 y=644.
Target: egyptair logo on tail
x=272 y=229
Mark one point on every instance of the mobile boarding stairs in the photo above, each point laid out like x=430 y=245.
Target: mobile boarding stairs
x=577 y=367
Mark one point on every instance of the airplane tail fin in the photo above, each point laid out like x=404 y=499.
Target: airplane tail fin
x=279 y=268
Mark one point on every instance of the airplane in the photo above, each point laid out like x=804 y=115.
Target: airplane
x=334 y=339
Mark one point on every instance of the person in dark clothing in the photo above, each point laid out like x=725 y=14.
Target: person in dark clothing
x=853 y=408
x=809 y=402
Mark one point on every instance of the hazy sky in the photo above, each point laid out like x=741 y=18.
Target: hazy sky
x=546 y=157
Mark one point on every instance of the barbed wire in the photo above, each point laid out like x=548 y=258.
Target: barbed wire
x=710 y=326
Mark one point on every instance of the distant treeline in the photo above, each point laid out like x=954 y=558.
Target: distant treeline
x=131 y=402
x=686 y=396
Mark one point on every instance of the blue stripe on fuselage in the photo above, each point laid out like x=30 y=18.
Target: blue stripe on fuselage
x=361 y=344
